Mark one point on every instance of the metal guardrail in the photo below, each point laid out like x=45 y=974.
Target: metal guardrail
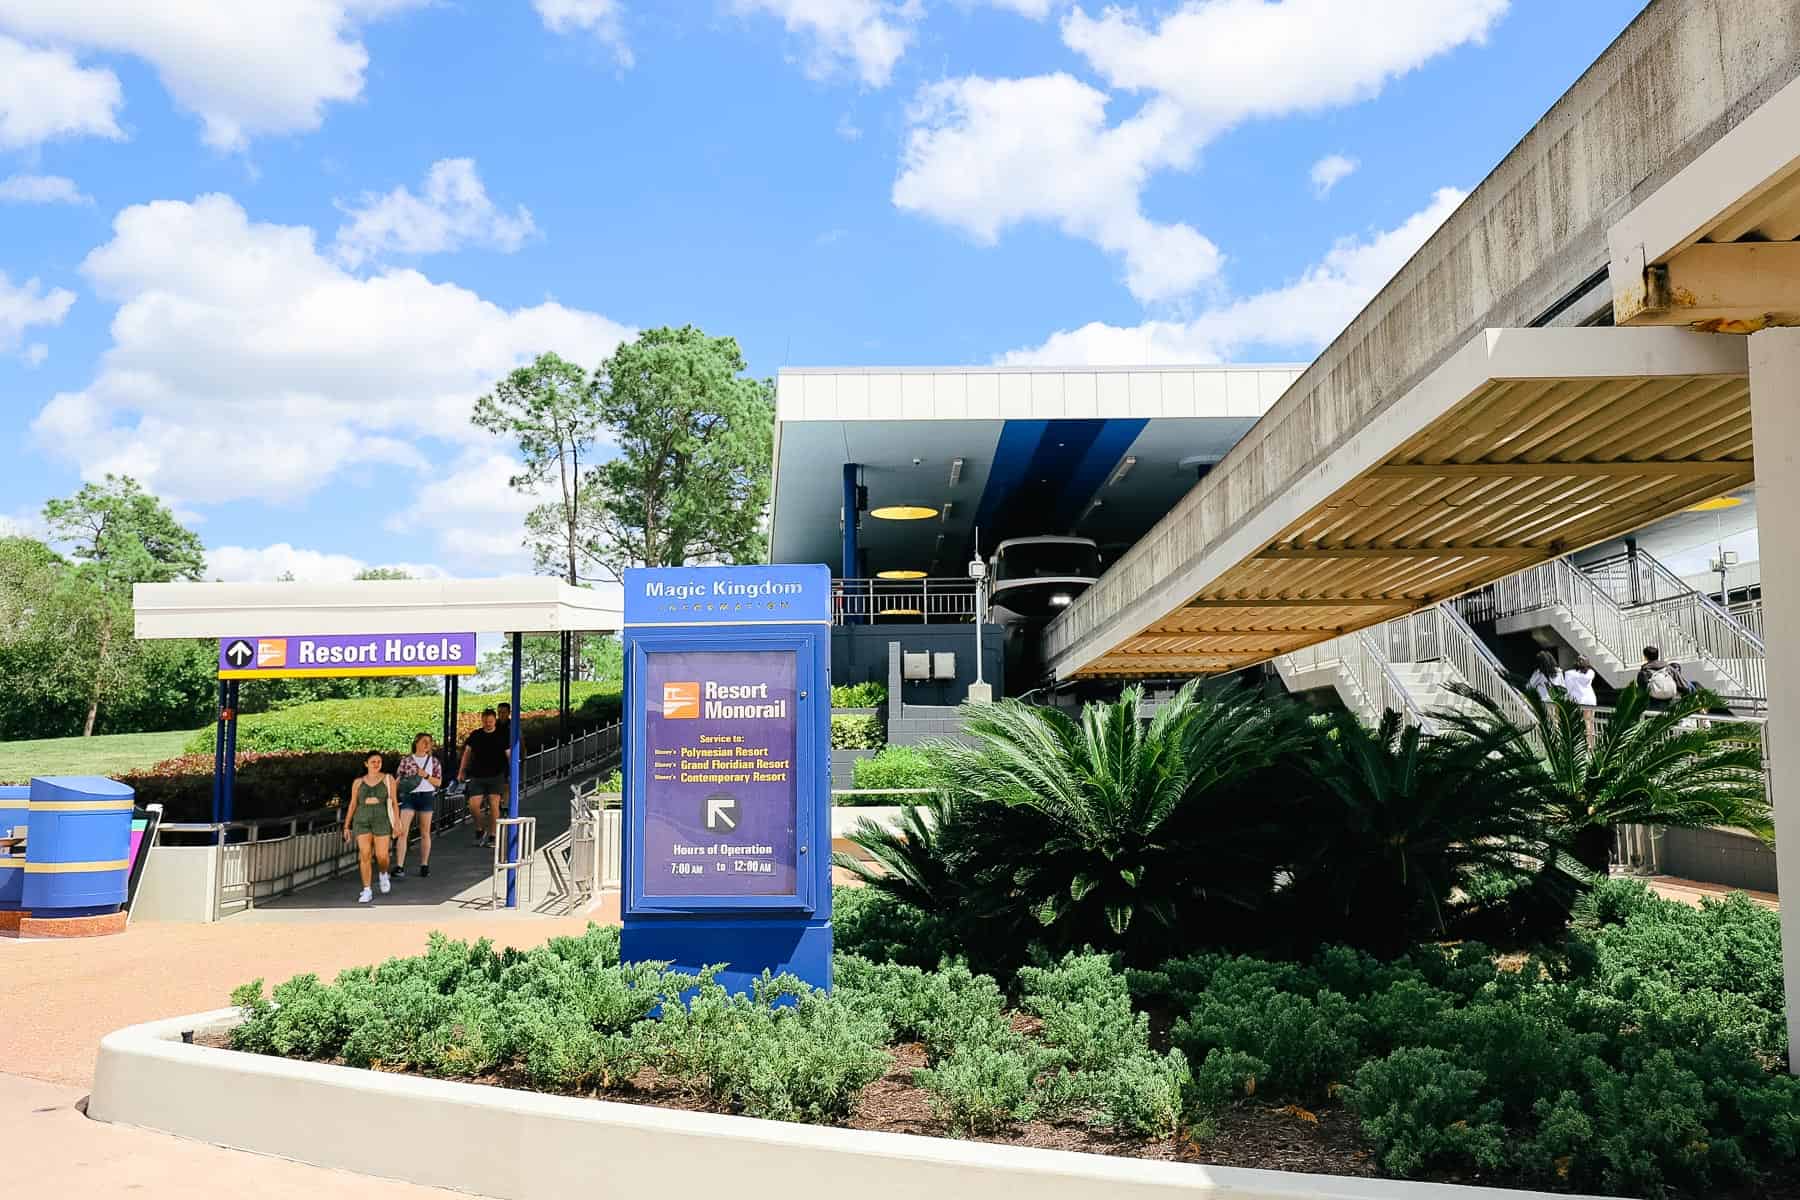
x=1629 y=602
x=1362 y=661
x=941 y=599
x=260 y=860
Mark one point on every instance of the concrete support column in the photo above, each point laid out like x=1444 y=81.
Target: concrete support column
x=1775 y=415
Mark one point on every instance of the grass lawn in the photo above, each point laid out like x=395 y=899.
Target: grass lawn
x=108 y=755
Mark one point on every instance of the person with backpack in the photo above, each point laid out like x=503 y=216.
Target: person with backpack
x=1661 y=681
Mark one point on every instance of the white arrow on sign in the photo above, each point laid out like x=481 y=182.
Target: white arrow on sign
x=239 y=653
x=720 y=810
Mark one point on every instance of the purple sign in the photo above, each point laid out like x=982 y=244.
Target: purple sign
x=720 y=800
x=347 y=654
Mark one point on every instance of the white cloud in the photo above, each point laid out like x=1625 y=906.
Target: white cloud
x=22 y=524
x=46 y=94
x=1037 y=10
x=1303 y=315
x=848 y=129
x=41 y=189
x=253 y=564
x=987 y=154
x=475 y=513
x=35 y=354
x=1332 y=170
x=453 y=212
x=603 y=19
x=242 y=77
x=245 y=364
x=984 y=155
x=866 y=37
x=27 y=304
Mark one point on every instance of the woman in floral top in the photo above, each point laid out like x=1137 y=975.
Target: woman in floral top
x=418 y=777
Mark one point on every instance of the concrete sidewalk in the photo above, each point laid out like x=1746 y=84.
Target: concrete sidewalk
x=53 y=1149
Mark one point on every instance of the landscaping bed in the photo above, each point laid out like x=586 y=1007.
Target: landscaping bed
x=1645 y=1061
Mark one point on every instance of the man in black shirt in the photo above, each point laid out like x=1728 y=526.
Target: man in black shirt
x=484 y=769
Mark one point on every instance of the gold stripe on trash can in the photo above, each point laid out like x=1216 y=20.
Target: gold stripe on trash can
x=79 y=805
x=70 y=868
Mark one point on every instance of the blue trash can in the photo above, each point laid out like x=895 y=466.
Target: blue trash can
x=78 y=852
x=14 y=801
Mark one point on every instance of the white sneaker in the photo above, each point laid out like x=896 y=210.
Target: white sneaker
x=365 y=897
x=385 y=885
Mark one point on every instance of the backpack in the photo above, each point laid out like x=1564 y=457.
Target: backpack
x=1662 y=684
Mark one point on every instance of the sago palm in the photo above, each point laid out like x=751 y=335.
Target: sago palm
x=1645 y=766
x=1395 y=822
x=1088 y=824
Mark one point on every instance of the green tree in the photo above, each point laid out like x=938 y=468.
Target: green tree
x=376 y=573
x=599 y=657
x=121 y=536
x=549 y=409
x=691 y=479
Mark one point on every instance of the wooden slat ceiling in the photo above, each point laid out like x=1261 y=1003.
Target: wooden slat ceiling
x=1518 y=473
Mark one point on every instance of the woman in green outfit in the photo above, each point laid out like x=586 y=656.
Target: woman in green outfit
x=370 y=818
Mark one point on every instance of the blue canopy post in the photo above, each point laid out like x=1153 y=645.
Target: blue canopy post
x=228 y=789
x=218 y=787
x=514 y=774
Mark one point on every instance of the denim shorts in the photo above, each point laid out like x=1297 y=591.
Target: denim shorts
x=419 y=801
x=486 y=785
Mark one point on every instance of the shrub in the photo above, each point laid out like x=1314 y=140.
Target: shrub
x=896 y=767
x=851 y=731
x=871 y=923
x=1422 y=1110
x=1226 y=1077
x=1086 y=1010
x=982 y=1088
x=858 y=695
x=806 y=1061
x=1142 y=1095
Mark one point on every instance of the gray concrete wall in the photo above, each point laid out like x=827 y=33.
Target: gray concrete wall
x=1685 y=72
x=1718 y=856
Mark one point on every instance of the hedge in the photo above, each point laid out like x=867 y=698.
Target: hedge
x=896 y=767
x=391 y=724
x=854 y=731
x=858 y=695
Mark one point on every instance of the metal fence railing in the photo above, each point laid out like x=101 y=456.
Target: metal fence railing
x=923 y=600
x=562 y=759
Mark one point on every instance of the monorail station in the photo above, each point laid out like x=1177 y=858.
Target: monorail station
x=1597 y=345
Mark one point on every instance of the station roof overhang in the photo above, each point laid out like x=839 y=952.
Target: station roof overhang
x=1716 y=247
x=1016 y=451
x=1523 y=445
x=223 y=610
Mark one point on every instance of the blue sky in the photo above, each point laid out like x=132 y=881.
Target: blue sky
x=267 y=268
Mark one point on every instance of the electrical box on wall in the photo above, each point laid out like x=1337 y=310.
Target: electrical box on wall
x=915 y=665
x=943 y=664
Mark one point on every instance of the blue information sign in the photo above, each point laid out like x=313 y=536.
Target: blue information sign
x=727 y=773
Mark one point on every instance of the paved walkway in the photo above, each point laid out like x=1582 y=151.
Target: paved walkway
x=461 y=882
x=52 y=1149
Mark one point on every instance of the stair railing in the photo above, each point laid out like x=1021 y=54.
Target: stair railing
x=1685 y=624
x=1364 y=660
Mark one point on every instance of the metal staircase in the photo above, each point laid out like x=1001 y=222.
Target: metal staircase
x=1611 y=609
x=1407 y=665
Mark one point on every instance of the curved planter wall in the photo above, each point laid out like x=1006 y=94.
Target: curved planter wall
x=537 y=1147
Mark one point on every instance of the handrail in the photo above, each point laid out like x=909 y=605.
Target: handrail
x=944 y=598
x=1369 y=672
x=1684 y=623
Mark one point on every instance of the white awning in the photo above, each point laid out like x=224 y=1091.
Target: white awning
x=219 y=610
